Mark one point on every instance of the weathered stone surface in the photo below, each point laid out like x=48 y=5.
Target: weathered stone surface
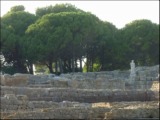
x=133 y=113
x=38 y=79
x=2 y=80
x=15 y=80
x=155 y=85
x=59 y=83
x=113 y=110
x=84 y=95
x=6 y=79
x=142 y=74
x=75 y=95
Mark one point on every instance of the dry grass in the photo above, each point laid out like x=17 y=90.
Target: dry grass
x=127 y=105
x=8 y=117
x=102 y=104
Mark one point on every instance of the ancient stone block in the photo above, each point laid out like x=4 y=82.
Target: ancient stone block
x=60 y=83
x=15 y=80
x=155 y=85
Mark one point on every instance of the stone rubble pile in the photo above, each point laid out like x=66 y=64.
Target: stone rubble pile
x=81 y=95
x=142 y=74
x=19 y=107
x=97 y=95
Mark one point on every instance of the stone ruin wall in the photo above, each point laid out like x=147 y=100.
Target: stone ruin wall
x=74 y=110
x=81 y=95
x=77 y=96
x=19 y=107
x=145 y=78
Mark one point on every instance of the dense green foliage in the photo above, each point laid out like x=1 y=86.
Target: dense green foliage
x=56 y=9
x=17 y=8
x=141 y=40
x=13 y=27
x=61 y=36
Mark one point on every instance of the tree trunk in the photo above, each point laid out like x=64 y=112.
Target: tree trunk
x=102 y=60
x=70 y=65
x=92 y=65
x=60 y=65
x=87 y=64
x=50 y=67
x=20 y=67
x=31 y=68
x=76 y=65
x=65 y=67
x=73 y=67
x=80 y=64
x=56 y=67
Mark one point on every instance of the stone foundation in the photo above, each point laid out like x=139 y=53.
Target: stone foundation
x=97 y=95
x=75 y=110
x=81 y=95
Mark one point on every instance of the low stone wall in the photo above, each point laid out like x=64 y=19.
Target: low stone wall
x=81 y=95
x=106 y=84
x=133 y=114
x=74 y=110
x=62 y=113
x=82 y=84
x=148 y=73
x=14 y=80
x=145 y=77
x=13 y=102
x=89 y=84
x=77 y=95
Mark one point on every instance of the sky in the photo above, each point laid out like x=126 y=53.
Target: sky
x=119 y=13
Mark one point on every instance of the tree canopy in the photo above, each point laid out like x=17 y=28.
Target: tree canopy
x=141 y=40
x=62 y=36
x=17 y=8
x=56 y=9
x=14 y=25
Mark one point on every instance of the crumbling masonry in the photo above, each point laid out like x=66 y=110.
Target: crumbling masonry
x=95 y=95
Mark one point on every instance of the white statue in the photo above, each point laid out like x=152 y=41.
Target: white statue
x=133 y=73
x=132 y=64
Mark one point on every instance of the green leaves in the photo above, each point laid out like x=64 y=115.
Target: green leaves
x=14 y=25
x=63 y=34
x=138 y=36
x=17 y=8
x=58 y=8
